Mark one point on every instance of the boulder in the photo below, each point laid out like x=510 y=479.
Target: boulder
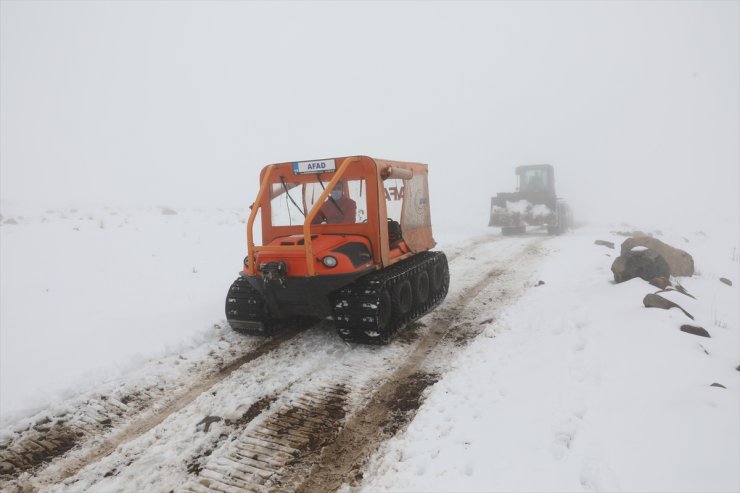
x=724 y=280
x=660 y=282
x=679 y=262
x=645 y=264
x=715 y=384
x=697 y=331
x=605 y=243
x=657 y=301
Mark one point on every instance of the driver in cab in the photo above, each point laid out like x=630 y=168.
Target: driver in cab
x=338 y=208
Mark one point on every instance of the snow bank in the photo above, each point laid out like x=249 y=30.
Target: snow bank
x=578 y=387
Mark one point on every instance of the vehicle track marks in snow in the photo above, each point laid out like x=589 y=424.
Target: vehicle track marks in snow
x=278 y=450
x=455 y=251
x=314 y=427
x=296 y=433
x=306 y=443
x=52 y=436
x=394 y=404
x=42 y=444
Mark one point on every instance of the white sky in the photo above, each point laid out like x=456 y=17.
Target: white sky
x=635 y=103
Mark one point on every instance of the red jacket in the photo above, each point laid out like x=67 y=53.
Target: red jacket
x=330 y=213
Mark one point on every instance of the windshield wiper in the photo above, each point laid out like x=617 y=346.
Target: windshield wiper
x=285 y=187
x=318 y=177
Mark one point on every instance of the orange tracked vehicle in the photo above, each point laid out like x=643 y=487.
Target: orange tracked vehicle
x=347 y=238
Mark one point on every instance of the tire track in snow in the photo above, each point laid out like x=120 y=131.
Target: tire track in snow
x=455 y=251
x=380 y=419
x=52 y=436
x=283 y=438
x=248 y=462
x=408 y=386
x=42 y=445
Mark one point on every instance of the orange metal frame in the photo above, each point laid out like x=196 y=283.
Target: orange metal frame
x=375 y=230
x=262 y=202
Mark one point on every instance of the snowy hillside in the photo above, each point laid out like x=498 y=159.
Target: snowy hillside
x=568 y=384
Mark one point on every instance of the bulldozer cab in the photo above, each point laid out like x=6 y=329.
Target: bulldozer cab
x=384 y=202
x=536 y=178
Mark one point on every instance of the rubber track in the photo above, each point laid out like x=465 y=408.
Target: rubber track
x=357 y=307
x=246 y=311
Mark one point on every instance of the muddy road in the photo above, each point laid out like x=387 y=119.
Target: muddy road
x=301 y=411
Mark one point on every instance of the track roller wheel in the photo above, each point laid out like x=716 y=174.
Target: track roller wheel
x=385 y=308
x=402 y=298
x=440 y=274
x=375 y=307
x=421 y=288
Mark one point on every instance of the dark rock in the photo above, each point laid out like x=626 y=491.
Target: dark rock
x=660 y=282
x=697 y=331
x=605 y=243
x=540 y=283
x=715 y=384
x=725 y=280
x=657 y=301
x=738 y=368
x=679 y=262
x=645 y=264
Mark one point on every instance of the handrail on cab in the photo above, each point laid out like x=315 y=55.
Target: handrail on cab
x=255 y=207
x=308 y=247
x=315 y=210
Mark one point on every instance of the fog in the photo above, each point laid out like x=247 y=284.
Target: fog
x=164 y=103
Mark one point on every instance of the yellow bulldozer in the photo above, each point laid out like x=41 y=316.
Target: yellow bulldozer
x=535 y=203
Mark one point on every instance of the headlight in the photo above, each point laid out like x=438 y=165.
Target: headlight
x=246 y=260
x=329 y=261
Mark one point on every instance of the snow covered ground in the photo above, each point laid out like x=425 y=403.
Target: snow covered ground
x=576 y=387
x=90 y=293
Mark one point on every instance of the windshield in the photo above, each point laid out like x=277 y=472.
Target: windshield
x=346 y=204
x=285 y=207
x=533 y=180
